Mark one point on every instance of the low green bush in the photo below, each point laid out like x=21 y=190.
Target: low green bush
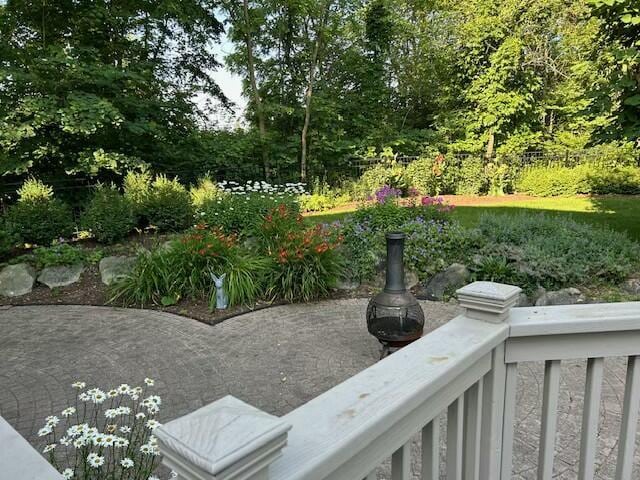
x=591 y=178
x=7 y=241
x=137 y=186
x=388 y=173
x=433 y=239
x=109 y=215
x=205 y=191
x=168 y=205
x=471 y=177
x=63 y=254
x=38 y=217
x=552 y=252
x=316 y=202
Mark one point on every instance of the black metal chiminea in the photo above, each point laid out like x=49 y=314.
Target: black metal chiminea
x=394 y=316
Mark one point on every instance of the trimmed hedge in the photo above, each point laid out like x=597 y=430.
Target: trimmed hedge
x=583 y=179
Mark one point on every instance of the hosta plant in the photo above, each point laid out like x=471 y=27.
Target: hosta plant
x=105 y=434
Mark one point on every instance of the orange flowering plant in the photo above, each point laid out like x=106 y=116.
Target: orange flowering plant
x=184 y=268
x=306 y=263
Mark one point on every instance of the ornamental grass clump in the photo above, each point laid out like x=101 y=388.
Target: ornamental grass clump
x=183 y=269
x=306 y=262
x=105 y=434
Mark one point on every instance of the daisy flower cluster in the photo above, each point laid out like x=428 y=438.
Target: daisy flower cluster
x=106 y=434
x=262 y=187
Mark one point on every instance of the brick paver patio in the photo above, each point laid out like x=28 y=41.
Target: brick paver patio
x=275 y=359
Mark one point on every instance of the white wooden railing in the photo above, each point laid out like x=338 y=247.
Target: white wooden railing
x=466 y=370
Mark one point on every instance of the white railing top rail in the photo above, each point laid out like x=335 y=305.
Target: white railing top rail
x=572 y=319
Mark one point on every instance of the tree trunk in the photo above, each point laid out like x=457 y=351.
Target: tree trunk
x=262 y=128
x=309 y=92
x=490 y=145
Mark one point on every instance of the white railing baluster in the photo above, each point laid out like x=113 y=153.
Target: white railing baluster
x=590 y=418
x=493 y=417
x=401 y=463
x=455 y=430
x=431 y=450
x=628 y=429
x=472 y=426
x=549 y=419
x=511 y=385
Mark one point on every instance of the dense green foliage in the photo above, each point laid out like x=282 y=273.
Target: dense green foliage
x=168 y=205
x=109 y=216
x=583 y=179
x=539 y=250
x=38 y=217
x=89 y=87
x=96 y=88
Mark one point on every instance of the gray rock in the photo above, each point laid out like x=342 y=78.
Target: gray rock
x=115 y=268
x=632 y=286
x=411 y=279
x=566 y=296
x=523 y=300
x=347 y=284
x=454 y=277
x=16 y=280
x=60 y=276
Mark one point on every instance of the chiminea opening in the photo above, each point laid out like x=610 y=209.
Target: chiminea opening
x=394 y=316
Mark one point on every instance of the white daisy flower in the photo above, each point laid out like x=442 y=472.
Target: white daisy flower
x=84 y=397
x=49 y=448
x=126 y=462
x=123 y=410
x=79 y=385
x=66 y=441
x=44 y=431
x=52 y=420
x=112 y=393
x=67 y=412
x=67 y=474
x=111 y=413
x=123 y=388
x=79 y=442
x=140 y=415
x=152 y=424
x=95 y=460
x=150 y=382
x=121 y=442
x=125 y=429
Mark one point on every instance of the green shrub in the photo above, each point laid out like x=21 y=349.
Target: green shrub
x=63 y=254
x=305 y=261
x=552 y=252
x=243 y=213
x=37 y=217
x=388 y=173
x=183 y=270
x=168 y=205
x=205 y=191
x=588 y=178
x=316 y=202
x=109 y=215
x=7 y=241
x=471 y=178
x=137 y=186
x=429 y=231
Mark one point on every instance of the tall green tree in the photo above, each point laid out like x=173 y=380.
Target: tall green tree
x=90 y=86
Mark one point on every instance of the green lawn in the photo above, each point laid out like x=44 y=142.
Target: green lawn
x=617 y=212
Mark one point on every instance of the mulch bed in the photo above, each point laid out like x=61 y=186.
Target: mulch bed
x=91 y=291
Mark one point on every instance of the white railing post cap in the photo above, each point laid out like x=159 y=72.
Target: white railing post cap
x=227 y=439
x=488 y=301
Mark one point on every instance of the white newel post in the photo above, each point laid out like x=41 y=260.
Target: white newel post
x=491 y=302
x=225 y=440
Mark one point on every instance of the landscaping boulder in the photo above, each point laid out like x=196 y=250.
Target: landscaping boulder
x=523 y=300
x=566 y=296
x=347 y=284
x=60 y=276
x=16 y=280
x=115 y=268
x=632 y=286
x=454 y=277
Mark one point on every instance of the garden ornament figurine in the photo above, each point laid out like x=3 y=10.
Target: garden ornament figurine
x=222 y=299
